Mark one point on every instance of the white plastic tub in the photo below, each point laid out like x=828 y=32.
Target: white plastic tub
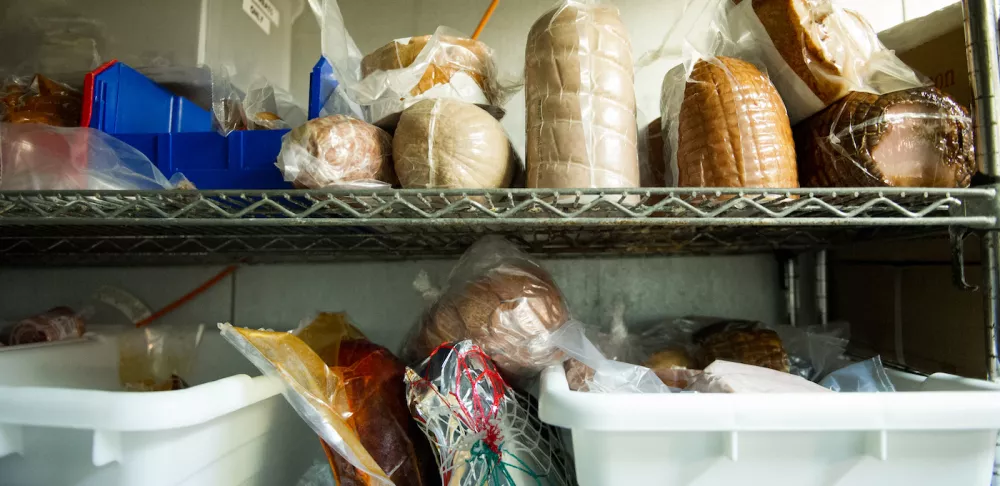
x=941 y=430
x=63 y=422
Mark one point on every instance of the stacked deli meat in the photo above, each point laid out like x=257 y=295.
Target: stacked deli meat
x=581 y=127
x=731 y=129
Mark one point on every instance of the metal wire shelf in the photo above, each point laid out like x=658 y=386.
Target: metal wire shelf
x=193 y=226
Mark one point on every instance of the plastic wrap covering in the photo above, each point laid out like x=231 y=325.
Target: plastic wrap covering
x=505 y=303
x=351 y=392
x=912 y=138
x=40 y=100
x=262 y=107
x=42 y=157
x=724 y=125
x=484 y=433
x=589 y=370
x=580 y=99
x=727 y=377
x=446 y=143
x=741 y=341
x=54 y=325
x=157 y=358
x=50 y=36
x=867 y=376
x=337 y=151
x=816 y=52
x=405 y=71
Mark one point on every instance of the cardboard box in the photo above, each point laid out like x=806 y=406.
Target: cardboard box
x=901 y=303
x=934 y=45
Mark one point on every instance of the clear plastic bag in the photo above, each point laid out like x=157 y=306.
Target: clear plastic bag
x=504 y=302
x=912 y=138
x=40 y=100
x=157 y=358
x=867 y=376
x=444 y=65
x=56 y=324
x=337 y=151
x=724 y=125
x=484 y=432
x=42 y=157
x=445 y=143
x=588 y=370
x=816 y=52
x=351 y=392
x=262 y=107
x=54 y=37
x=580 y=99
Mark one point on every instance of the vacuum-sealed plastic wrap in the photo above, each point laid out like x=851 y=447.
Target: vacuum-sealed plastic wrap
x=446 y=64
x=724 y=125
x=158 y=357
x=867 y=376
x=42 y=157
x=40 y=100
x=351 y=392
x=53 y=325
x=483 y=431
x=912 y=138
x=816 y=52
x=580 y=99
x=445 y=143
x=505 y=303
x=337 y=151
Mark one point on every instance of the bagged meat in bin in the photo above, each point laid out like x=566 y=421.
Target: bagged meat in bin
x=484 y=432
x=56 y=324
x=262 y=107
x=446 y=64
x=504 y=302
x=351 y=392
x=445 y=143
x=42 y=157
x=158 y=357
x=745 y=342
x=866 y=376
x=337 y=151
x=587 y=368
x=816 y=52
x=580 y=99
x=912 y=138
x=724 y=125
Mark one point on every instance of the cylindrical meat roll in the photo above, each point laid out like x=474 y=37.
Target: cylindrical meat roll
x=911 y=138
x=580 y=100
x=731 y=130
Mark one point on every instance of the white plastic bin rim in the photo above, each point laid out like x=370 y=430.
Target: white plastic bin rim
x=975 y=407
x=132 y=411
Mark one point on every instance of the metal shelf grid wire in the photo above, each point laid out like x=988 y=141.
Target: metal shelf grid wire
x=205 y=226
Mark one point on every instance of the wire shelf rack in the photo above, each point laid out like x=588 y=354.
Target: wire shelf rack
x=201 y=226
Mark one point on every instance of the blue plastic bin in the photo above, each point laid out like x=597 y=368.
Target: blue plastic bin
x=321 y=86
x=177 y=135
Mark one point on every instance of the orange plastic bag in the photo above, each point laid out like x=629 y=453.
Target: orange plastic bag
x=351 y=392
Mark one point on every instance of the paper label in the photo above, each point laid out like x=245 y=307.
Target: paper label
x=269 y=10
x=257 y=15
